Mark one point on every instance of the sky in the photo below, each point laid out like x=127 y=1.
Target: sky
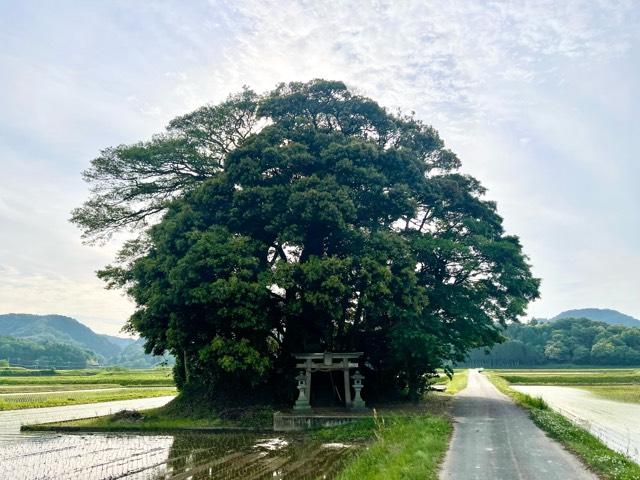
x=538 y=99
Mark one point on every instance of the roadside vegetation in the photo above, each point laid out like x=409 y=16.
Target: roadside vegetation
x=405 y=447
x=458 y=382
x=605 y=462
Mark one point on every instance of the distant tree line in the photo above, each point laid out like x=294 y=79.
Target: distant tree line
x=577 y=341
x=43 y=353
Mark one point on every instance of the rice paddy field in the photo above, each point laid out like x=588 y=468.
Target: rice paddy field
x=391 y=446
x=19 y=400
x=21 y=388
x=195 y=456
x=153 y=377
x=605 y=402
x=586 y=377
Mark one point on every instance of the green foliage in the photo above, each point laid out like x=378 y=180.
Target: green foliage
x=306 y=219
x=360 y=430
x=45 y=353
x=133 y=356
x=458 y=382
x=4 y=363
x=406 y=448
x=566 y=341
x=55 y=329
x=106 y=349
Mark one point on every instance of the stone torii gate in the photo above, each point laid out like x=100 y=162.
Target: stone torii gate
x=328 y=362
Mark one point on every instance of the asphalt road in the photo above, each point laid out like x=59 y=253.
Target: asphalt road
x=494 y=439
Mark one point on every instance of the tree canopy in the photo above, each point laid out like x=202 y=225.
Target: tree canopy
x=25 y=352
x=570 y=341
x=305 y=219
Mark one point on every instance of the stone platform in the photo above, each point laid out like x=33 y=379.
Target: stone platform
x=297 y=421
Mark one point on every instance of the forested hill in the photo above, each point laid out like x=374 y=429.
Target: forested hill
x=570 y=341
x=43 y=353
x=59 y=329
x=612 y=317
x=49 y=334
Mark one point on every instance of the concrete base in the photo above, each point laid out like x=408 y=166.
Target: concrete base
x=292 y=422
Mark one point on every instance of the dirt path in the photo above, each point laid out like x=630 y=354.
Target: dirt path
x=494 y=439
x=617 y=424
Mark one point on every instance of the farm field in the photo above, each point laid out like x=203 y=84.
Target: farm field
x=181 y=456
x=586 y=377
x=21 y=388
x=605 y=402
x=154 y=377
x=620 y=393
x=14 y=401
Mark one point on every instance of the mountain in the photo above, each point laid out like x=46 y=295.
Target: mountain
x=612 y=317
x=44 y=353
x=56 y=328
x=122 y=342
x=133 y=356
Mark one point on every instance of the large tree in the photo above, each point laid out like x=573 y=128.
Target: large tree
x=306 y=219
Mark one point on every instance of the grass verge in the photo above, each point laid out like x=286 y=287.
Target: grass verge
x=56 y=399
x=458 y=382
x=405 y=447
x=596 y=455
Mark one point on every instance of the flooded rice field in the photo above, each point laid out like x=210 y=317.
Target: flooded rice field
x=192 y=456
x=42 y=455
x=617 y=424
x=11 y=420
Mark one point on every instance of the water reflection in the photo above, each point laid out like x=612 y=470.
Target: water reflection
x=193 y=456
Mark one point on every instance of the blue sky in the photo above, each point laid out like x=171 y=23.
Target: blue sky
x=538 y=98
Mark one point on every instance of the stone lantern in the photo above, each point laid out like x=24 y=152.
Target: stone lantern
x=302 y=403
x=358 y=402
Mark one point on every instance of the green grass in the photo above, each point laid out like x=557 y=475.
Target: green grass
x=179 y=414
x=405 y=447
x=571 y=377
x=52 y=388
x=54 y=399
x=619 y=393
x=154 y=377
x=596 y=455
x=458 y=382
